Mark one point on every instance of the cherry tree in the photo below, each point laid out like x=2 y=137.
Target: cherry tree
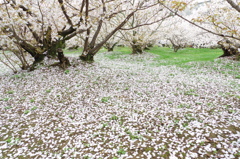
x=40 y=28
x=140 y=39
x=118 y=14
x=182 y=34
x=175 y=32
x=114 y=40
x=142 y=29
x=218 y=17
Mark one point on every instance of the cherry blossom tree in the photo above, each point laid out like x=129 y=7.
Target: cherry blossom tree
x=182 y=34
x=217 y=17
x=174 y=31
x=118 y=14
x=114 y=40
x=40 y=28
x=142 y=29
x=140 y=39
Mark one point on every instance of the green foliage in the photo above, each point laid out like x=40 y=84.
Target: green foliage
x=104 y=125
x=9 y=140
x=183 y=106
x=105 y=99
x=34 y=108
x=237 y=154
x=10 y=92
x=26 y=111
x=4 y=99
x=147 y=149
x=166 y=56
x=191 y=92
x=71 y=116
x=114 y=117
x=121 y=152
x=8 y=107
x=67 y=71
x=12 y=141
x=131 y=135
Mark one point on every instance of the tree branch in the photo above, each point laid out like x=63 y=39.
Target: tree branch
x=145 y=24
x=98 y=28
x=234 y=5
x=210 y=31
x=65 y=12
x=95 y=49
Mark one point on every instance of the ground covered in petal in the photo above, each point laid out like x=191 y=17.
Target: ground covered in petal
x=128 y=107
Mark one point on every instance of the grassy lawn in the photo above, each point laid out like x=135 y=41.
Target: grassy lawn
x=167 y=55
x=185 y=55
x=148 y=106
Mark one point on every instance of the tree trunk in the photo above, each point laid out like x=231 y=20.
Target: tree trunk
x=87 y=57
x=137 y=49
x=63 y=61
x=226 y=52
x=110 y=46
x=148 y=46
x=176 y=48
x=110 y=49
x=238 y=56
x=38 y=58
x=229 y=49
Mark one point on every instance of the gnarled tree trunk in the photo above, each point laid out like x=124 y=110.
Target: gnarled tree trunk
x=87 y=57
x=136 y=47
x=230 y=49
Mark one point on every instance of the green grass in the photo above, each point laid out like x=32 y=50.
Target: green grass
x=74 y=51
x=165 y=56
x=185 y=55
x=118 y=52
